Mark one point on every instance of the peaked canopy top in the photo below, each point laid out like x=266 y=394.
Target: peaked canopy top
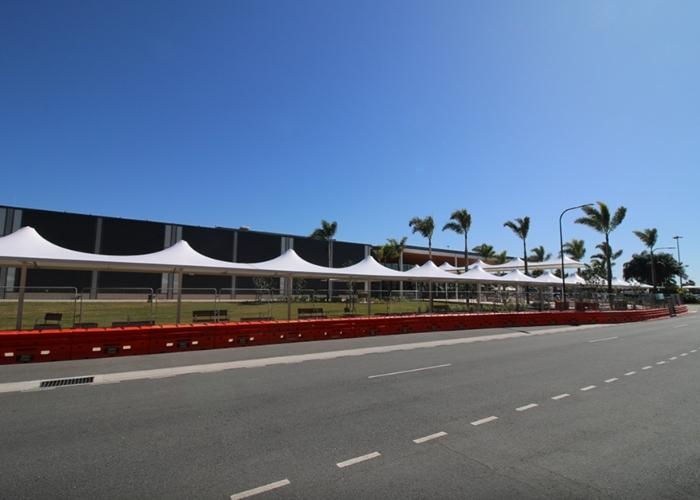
x=548 y=277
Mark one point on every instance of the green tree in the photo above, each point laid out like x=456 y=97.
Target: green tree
x=501 y=258
x=521 y=228
x=601 y=220
x=485 y=251
x=649 y=237
x=576 y=249
x=425 y=227
x=667 y=269
x=396 y=247
x=460 y=223
x=326 y=232
x=539 y=254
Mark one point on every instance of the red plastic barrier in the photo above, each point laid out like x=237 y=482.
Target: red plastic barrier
x=107 y=343
x=32 y=346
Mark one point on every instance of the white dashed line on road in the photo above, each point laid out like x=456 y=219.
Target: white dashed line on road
x=647 y=367
x=602 y=340
x=430 y=438
x=410 y=371
x=357 y=460
x=485 y=420
x=673 y=358
x=588 y=388
x=694 y=350
x=561 y=396
x=527 y=407
x=261 y=489
x=684 y=354
x=629 y=373
x=614 y=379
x=661 y=362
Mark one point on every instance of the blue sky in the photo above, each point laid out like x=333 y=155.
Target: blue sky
x=276 y=114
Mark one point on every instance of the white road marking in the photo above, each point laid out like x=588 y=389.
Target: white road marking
x=527 y=407
x=694 y=350
x=611 y=380
x=602 y=340
x=629 y=373
x=114 y=378
x=357 y=460
x=588 y=388
x=484 y=420
x=260 y=489
x=647 y=367
x=661 y=362
x=431 y=437
x=684 y=354
x=673 y=358
x=410 y=371
x=561 y=396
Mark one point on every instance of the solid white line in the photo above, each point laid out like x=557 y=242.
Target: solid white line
x=260 y=489
x=673 y=358
x=648 y=367
x=561 y=396
x=611 y=380
x=527 y=407
x=484 y=420
x=428 y=438
x=603 y=340
x=357 y=460
x=629 y=373
x=410 y=371
x=588 y=388
x=661 y=362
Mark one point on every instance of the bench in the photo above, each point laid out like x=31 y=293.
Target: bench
x=51 y=320
x=257 y=318
x=210 y=315
x=146 y=322
x=441 y=308
x=310 y=312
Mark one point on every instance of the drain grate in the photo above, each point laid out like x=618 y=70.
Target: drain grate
x=66 y=381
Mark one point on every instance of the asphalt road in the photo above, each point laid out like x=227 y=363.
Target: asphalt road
x=608 y=412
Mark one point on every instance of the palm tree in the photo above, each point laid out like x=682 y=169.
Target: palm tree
x=327 y=232
x=606 y=255
x=396 y=247
x=649 y=238
x=601 y=220
x=501 y=257
x=460 y=223
x=576 y=249
x=520 y=227
x=485 y=251
x=425 y=227
x=539 y=254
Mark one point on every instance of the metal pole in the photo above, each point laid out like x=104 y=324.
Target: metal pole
x=368 y=286
x=678 y=247
x=561 y=251
x=289 y=296
x=20 y=298
x=178 y=308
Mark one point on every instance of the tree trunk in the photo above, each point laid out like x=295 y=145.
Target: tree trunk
x=609 y=263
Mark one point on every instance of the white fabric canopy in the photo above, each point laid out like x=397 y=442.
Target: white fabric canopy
x=620 y=283
x=516 y=276
x=370 y=268
x=26 y=247
x=446 y=266
x=516 y=263
x=575 y=279
x=478 y=275
x=555 y=264
x=430 y=272
x=548 y=277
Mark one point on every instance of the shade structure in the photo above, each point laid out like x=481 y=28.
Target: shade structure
x=516 y=263
x=446 y=266
x=429 y=272
x=26 y=247
x=369 y=268
x=478 y=275
x=617 y=282
x=516 y=276
x=548 y=278
x=575 y=279
x=569 y=263
x=479 y=263
x=289 y=263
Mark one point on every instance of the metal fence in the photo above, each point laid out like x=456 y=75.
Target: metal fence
x=110 y=306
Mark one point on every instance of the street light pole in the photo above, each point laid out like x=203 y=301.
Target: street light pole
x=678 y=247
x=561 y=250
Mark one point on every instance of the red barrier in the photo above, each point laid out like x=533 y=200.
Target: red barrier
x=54 y=345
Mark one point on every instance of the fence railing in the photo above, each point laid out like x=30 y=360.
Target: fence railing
x=107 y=306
